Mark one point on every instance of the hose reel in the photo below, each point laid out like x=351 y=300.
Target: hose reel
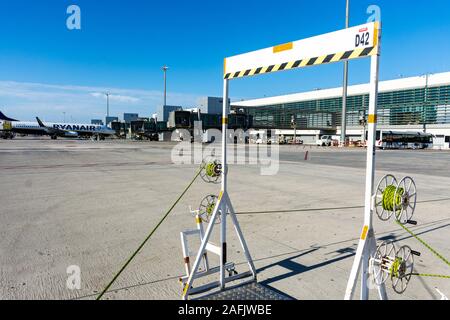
x=397 y=198
x=211 y=170
x=396 y=265
x=206 y=208
x=393 y=198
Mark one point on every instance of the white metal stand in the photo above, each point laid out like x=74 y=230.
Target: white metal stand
x=352 y=43
x=225 y=209
x=367 y=243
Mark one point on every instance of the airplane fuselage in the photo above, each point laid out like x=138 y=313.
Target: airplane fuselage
x=72 y=129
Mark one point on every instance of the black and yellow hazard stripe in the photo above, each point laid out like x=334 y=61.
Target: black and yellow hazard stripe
x=330 y=58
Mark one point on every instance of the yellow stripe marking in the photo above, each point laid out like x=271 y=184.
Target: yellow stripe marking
x=375 y=34
x=283 y=47
x=289 y=65
x=320 y=60
x=372 y=118
x=185 y=290
x=220 y=195
x=304 y=62
x=198 y=220
x=364 y=232
x=356 y=53
x=264 y=70
x=337 y=57
x=225 y=66
x=276 y=68
x=374 y=51
x=225 y=121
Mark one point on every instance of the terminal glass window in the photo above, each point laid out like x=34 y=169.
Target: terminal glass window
x=404 y=107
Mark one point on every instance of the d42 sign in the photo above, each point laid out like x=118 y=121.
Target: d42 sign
x=362 y=39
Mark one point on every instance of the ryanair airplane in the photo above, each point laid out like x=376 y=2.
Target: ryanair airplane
x=54 y=130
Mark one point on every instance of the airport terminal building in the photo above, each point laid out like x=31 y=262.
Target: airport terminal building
x=407 y=104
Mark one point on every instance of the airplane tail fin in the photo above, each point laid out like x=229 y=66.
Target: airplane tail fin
x=5 y=118
x=41 y=124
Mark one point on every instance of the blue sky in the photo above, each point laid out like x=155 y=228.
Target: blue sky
x=46 y=70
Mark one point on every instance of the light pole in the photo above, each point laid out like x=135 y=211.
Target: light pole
x=165 y=68
x=107 y=94
x=345 y=85
x=294 y=126
x=424 y=109
x=363 y=122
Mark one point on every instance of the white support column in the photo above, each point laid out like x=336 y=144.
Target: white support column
x=201 y=231
x=356 y=267
x=225 y=112
x=223 y=241
x=365 y=274
x=367 y=241
x=370 y=174
x=223 y=194
x=371 y=151
x=185 y=248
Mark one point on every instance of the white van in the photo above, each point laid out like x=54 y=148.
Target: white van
x=325 y=141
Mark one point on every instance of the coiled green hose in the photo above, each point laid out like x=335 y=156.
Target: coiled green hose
x=395 y=269
x=210 y=209
x=211 y=169
x=388 y=198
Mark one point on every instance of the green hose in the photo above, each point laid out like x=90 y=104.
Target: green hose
x=149 y=236
x=210 y=209
x=426 y=245
x=211 y=170
x=442 y=276
x=388 y=198
x=437 y=254
x=395 y=269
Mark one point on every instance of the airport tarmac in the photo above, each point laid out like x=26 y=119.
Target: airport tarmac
x=91 y=204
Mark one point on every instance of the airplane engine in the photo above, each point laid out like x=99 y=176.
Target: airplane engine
x=71 y=134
